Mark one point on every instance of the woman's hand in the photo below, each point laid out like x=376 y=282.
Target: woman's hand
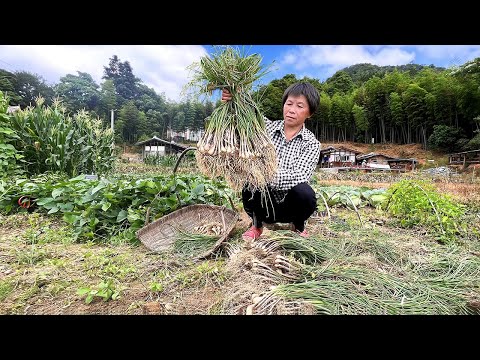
x=226 y=96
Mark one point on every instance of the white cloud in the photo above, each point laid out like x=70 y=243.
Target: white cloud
x=162 y=67
x=449 y=55
x=329 y=58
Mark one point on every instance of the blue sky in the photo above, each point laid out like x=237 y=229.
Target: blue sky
x=163 y=67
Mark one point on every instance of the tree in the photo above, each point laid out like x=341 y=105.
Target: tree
x=361 y=120
x=445 y=90
x=200 y=115
x=470 y=68
x=189 y=111
x=179 y=121
x=270 y=96
x=79 y=92
x=445 y=138
x=144 y=127
x=416 y=110
x=29 y=86
x=7 y=86
x=376 y=105
x=473 y=144
x=129 y=117
x=108 y=100
x=122 y=76
x=398 y=115
x=339 y=83
x=324 y=110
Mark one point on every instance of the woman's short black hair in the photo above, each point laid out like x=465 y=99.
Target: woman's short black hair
x=307 y=90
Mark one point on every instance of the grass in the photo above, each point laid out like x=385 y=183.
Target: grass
x=6 y=287
x=42 y=268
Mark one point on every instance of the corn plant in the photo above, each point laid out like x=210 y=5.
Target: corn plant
x=9 y=156
x=55 y=142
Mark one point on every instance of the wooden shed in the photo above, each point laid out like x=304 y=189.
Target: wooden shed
x=464 y=158
x=159 y=147
x=402 y=165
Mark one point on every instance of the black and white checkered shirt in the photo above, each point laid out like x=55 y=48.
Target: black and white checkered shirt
x=296 y=159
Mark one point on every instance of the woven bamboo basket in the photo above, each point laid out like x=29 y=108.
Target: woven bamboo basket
x=161 y=234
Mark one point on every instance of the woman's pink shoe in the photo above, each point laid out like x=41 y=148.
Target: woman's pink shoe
x=252 y=233
x=303 y=233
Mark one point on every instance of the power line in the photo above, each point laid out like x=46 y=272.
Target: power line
x=11 y=66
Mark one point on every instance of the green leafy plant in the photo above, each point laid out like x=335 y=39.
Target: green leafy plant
x=156 y=287
x=105 y=290
x=417 y=202
x=107 y=207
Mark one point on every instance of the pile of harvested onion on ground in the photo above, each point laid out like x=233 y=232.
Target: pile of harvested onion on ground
x=235 y=144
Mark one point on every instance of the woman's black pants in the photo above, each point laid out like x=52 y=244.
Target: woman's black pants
x=299 y=204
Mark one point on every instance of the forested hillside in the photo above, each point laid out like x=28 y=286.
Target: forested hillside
x=411 y=104
x=361 y=73
x=438 y=108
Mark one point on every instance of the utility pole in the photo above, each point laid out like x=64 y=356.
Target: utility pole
x=111 y=118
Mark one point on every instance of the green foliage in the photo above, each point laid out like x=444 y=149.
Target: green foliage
x=6 y=287
x=30 y=255
x=78 y=92
x=339 y=83
x=193 y=244
x=105 y=208
x=105 y=290
x=129 y=117
x=473 y=144
x=30 y=86
x=348 y=196
x=53 y=141
x=470 y=68
x=360 y=117
x=9 y=156
x=156 y=287
x=7 y=86
x=126 y=83
x=360 y=73
x=416 y=202
x=161 y=160
x=445 y=138
x=205 y=273
x=415 y=105
x=406 y=117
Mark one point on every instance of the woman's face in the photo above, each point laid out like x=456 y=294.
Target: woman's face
x=296 y=110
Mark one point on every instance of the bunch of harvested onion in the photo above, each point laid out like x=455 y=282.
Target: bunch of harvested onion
x=235 y=144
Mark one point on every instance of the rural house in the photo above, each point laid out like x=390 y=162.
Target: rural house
x=374 y=160
x=337 y=157
x=12 y=109
x=159 y=147
x=186 y=135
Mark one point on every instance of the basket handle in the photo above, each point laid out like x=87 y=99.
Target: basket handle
x=175 y=170
x=184 y=152
x=180 y=158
